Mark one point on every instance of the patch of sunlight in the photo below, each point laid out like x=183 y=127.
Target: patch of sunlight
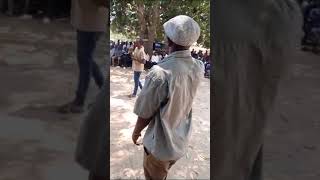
x=120 y=153
x=131 y=117
x=126 y=134
x=119 y=156
x=128 y=172
x=120 y=79
x=119 y=103
x=124 y=93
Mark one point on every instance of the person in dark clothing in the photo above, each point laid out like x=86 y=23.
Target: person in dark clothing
x=195 y=55
x=200 y=55
x=91 y=147
x=14 y=7
x=311 y=25
x=50 y=10
x=88 y=33
x=86 y=44
x=118 y=54
x=192 y=52
x=122 y=54
x=207 y=65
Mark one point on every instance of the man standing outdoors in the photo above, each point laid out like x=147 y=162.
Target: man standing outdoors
x=90 y=19
x=165 y=102
x=138 y=61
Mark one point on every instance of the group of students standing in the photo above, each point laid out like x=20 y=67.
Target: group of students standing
x=205 y=58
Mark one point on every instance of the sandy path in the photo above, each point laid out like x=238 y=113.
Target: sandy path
x=38 y=71
x=126 y=158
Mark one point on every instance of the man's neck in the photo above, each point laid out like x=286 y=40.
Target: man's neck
x=182 y=49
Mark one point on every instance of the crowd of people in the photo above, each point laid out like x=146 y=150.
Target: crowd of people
x=48 y=10
x=205 y=58
x=121 y=55
x=311 y=25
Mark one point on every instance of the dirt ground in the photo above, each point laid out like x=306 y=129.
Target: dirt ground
x=38 y=71
x=292 y=144
x=126 y=158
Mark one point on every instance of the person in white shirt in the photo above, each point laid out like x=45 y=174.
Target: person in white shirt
x=129 y=45
x=138 y=60
x=147 y=57
x=124 y=47
x=155 y=58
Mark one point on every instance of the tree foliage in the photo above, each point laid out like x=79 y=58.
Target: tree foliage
x=127 y=21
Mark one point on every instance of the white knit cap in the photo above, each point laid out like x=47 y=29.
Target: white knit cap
x=182 y=30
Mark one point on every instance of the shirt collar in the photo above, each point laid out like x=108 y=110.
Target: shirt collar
x=180 y=54
x=184 y=54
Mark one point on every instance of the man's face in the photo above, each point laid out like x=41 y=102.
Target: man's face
x=138 y=43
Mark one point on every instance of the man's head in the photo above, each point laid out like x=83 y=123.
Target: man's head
x=139 y=42
x=181 y=31
x=175 y=47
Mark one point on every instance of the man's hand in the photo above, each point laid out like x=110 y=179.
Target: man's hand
x=139 y=60
x=140 y=125
x=135 y=137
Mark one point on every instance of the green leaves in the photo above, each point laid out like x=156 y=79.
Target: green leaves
x=126 y=17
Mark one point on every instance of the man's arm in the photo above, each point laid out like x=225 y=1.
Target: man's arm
x=140 y=125
x=139 y=60
x=153 y=94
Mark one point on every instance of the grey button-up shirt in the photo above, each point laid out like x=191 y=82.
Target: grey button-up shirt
x=167 y=98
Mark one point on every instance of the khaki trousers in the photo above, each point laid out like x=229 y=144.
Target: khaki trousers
x=155 y=169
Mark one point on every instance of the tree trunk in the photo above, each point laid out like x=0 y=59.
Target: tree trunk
x=153 y=20
x=141 y=19
x=149 y=18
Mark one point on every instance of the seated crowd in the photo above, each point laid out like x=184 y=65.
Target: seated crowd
x=121 y=55
x=205 y=58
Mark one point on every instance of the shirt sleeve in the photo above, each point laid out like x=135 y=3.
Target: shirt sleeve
x=142 y=55
x=153 y=94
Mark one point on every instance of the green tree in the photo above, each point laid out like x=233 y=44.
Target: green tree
x=144 y=18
